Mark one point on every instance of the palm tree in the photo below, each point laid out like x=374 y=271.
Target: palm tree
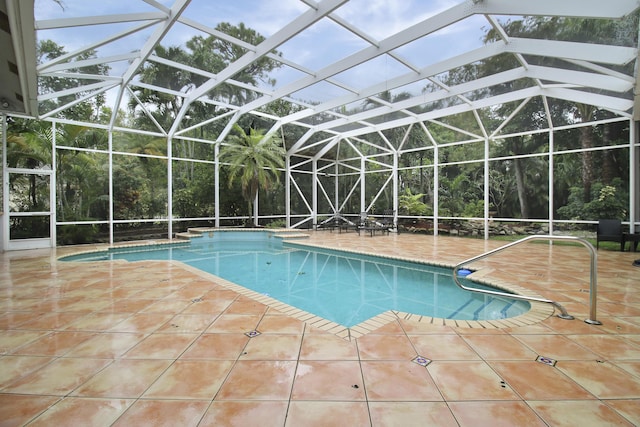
x=29 y=146
x=254 y=159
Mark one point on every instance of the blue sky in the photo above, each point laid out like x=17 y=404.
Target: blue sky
x=316 y=47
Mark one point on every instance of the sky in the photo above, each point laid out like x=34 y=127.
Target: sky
x=314 y=48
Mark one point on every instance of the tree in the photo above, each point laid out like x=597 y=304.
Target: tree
x=214 y=54
x=210 y=54
x=254 y=159
x=88 y=110
x=165 y=106
x=622 y=33
x=411 y=204
x=606 y=201
x=155 y=171
x=29 y=146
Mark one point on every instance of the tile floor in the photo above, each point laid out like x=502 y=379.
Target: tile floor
x=153 y=344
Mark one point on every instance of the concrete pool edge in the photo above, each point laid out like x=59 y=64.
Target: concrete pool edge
x=536 y=314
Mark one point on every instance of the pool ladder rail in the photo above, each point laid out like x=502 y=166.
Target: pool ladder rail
x=563 y=312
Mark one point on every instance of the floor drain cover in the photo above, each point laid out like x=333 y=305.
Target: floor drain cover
x=422 y=361
x=252 y=334
x=546 y=360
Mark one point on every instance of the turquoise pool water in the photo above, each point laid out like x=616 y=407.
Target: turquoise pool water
x=339 y=286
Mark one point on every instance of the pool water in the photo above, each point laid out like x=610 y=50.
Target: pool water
x=343 y=287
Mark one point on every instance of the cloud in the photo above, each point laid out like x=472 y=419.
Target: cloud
x=264 y=16
x=382 y=18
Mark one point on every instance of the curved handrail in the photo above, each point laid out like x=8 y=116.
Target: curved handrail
x=563 y=312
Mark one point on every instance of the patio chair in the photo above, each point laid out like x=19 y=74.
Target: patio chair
x=387 y=220
x=609 y=230
x=370 y=225
x=330 y=223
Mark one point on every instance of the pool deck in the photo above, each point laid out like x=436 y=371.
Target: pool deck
x=156 y=343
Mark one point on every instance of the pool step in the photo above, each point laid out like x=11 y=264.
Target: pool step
x=185 y=236
x=292 y=235
x=491 y=304
x=200 y=231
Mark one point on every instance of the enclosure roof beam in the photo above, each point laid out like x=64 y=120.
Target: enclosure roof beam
x=271 y=43
x=169 y=19
x=51 y=24
x=562 y=76
x=612 y=103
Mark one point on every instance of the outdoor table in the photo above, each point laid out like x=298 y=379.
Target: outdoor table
x=633 y=238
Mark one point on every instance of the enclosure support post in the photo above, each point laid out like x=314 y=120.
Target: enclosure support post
x=287 y=190
x=634 y=175
x=110 y=143
x=486 y=189
x=436 y=185
x=363 y=185
x=4 y=217
x=314 y=193
x=336 y=199
x=551 y=192
x=395 y=189
x=216 y=195
x=53 y=202
x=169 y=188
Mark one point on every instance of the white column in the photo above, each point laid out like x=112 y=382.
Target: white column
x=216 y=196
x=314 y=193
x=53 y=203
x=336 y=199
x=634 y=175
x=363 y=187
x=486 y=189
x=396 y=161
x=170 y=187
x=436 y=185
x=110 y=142
x=287 y=190
x=551 y=189
x=4 y=216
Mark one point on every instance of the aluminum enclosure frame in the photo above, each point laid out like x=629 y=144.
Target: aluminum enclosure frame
x=584 y=73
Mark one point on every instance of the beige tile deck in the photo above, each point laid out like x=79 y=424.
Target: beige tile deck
x=156 y=343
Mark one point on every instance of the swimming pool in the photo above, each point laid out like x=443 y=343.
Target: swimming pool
x=342 y=287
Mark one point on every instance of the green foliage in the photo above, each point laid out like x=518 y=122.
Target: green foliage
x=75 y=234
x=127 y=186
x=474 y=209
x=254 y=159
x=183 y=203
x=411 y=204
x=607 y=201
x=88 y=110
x=518 y=184
x=460 y=186
x=212 y=54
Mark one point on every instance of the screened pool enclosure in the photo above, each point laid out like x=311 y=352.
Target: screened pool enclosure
x=122 y=120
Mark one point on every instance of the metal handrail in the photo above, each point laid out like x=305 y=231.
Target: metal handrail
x=563 y=312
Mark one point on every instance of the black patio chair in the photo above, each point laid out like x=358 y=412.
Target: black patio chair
x=387 y=219
x=371 y=225
x=609 y=230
